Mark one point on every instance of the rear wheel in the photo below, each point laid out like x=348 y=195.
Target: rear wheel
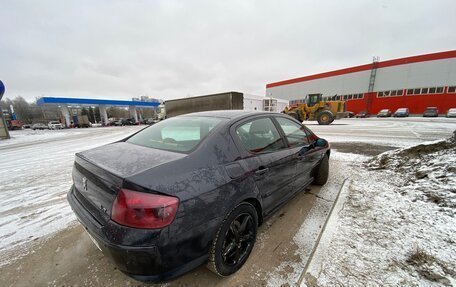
x=322 y=171
x=325 y=117
x=234 y=240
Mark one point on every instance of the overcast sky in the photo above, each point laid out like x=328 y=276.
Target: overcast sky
x=173 y=49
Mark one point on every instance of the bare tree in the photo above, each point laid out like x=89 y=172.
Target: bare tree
x=22 y=110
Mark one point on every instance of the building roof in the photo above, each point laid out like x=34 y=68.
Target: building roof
x=366 y=67
x=80 y=101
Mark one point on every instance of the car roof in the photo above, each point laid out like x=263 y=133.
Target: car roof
x=229 y=114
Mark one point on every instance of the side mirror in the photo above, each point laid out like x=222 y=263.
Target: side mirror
x=321 y=142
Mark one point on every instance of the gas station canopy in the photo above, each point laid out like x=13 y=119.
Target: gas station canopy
x=64 y=103
x=92 y=102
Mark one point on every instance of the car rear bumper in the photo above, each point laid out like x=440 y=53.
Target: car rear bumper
x=153 y=263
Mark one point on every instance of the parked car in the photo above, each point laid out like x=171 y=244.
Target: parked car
x=111 y=122
x=385 y=113
x=117 y=122
x=151 y=121
x=39 y=126
x=350 y=114
x=451 y=113
x=26 y=126
x=431 y=112
x=95 y=125
x=128 y=122
x=362 y=114
x=193 y=189
x=55 y=125
x=401 y=112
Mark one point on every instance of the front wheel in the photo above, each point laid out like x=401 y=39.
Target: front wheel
x=325 y=117
x=234 y=240
x=295 y=116
x=322 y=171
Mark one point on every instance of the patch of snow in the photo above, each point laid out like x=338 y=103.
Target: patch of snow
x=398 y=225
x=289 y=272
x=35 y=176
x=30 y=136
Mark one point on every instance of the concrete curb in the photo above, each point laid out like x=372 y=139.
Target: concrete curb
x=314 y=249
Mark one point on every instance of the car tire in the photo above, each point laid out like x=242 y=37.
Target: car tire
x=294 y=115
x=223 y=259
x=322 y=171
x=325 y=117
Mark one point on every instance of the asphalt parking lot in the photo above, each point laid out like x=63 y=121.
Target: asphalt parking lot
x=43 y=244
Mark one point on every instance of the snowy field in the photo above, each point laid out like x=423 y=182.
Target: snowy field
x=396 y=132
x=397 y=225
x=35 y=175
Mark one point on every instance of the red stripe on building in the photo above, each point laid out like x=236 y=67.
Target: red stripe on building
x=383 y=64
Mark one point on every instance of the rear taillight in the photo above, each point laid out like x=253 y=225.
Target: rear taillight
x=143 y=210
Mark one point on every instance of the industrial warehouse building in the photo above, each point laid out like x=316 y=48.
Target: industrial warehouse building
x=414 y=82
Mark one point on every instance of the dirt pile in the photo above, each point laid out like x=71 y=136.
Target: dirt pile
x=428 y=171
x=404 y=158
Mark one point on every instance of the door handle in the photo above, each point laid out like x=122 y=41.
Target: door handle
x=261 y=171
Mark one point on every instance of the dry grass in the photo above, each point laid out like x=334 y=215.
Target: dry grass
x=419 y=257
x=426 y=265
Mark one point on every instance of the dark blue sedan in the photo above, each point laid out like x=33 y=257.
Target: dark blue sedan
x=193 y=189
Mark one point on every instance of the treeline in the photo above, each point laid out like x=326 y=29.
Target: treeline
x=30 y=112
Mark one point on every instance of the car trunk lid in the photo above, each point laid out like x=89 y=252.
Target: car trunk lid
x=99 y=173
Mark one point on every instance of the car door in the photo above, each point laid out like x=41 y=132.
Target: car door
x=302 y=148
x=268 y=159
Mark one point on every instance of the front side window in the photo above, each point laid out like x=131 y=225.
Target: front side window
x=176 y=134
x=294 y=132
x=259 y=136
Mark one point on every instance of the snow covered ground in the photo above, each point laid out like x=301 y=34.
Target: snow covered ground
x=35 y=175
x=396 y=132
x=393 y=226
x=397 y=226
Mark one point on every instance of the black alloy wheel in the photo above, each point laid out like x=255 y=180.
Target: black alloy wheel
x=234 y=240
x=238 y=240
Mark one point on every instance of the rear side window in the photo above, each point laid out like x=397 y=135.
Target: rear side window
x=295 y=133
x=176 y=134
x=260 y=135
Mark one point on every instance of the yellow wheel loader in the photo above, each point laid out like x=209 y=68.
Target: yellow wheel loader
x=314 y=108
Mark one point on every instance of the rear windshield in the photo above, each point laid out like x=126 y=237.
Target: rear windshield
x=180 y=134
x=402 y=110
x=55 y=123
